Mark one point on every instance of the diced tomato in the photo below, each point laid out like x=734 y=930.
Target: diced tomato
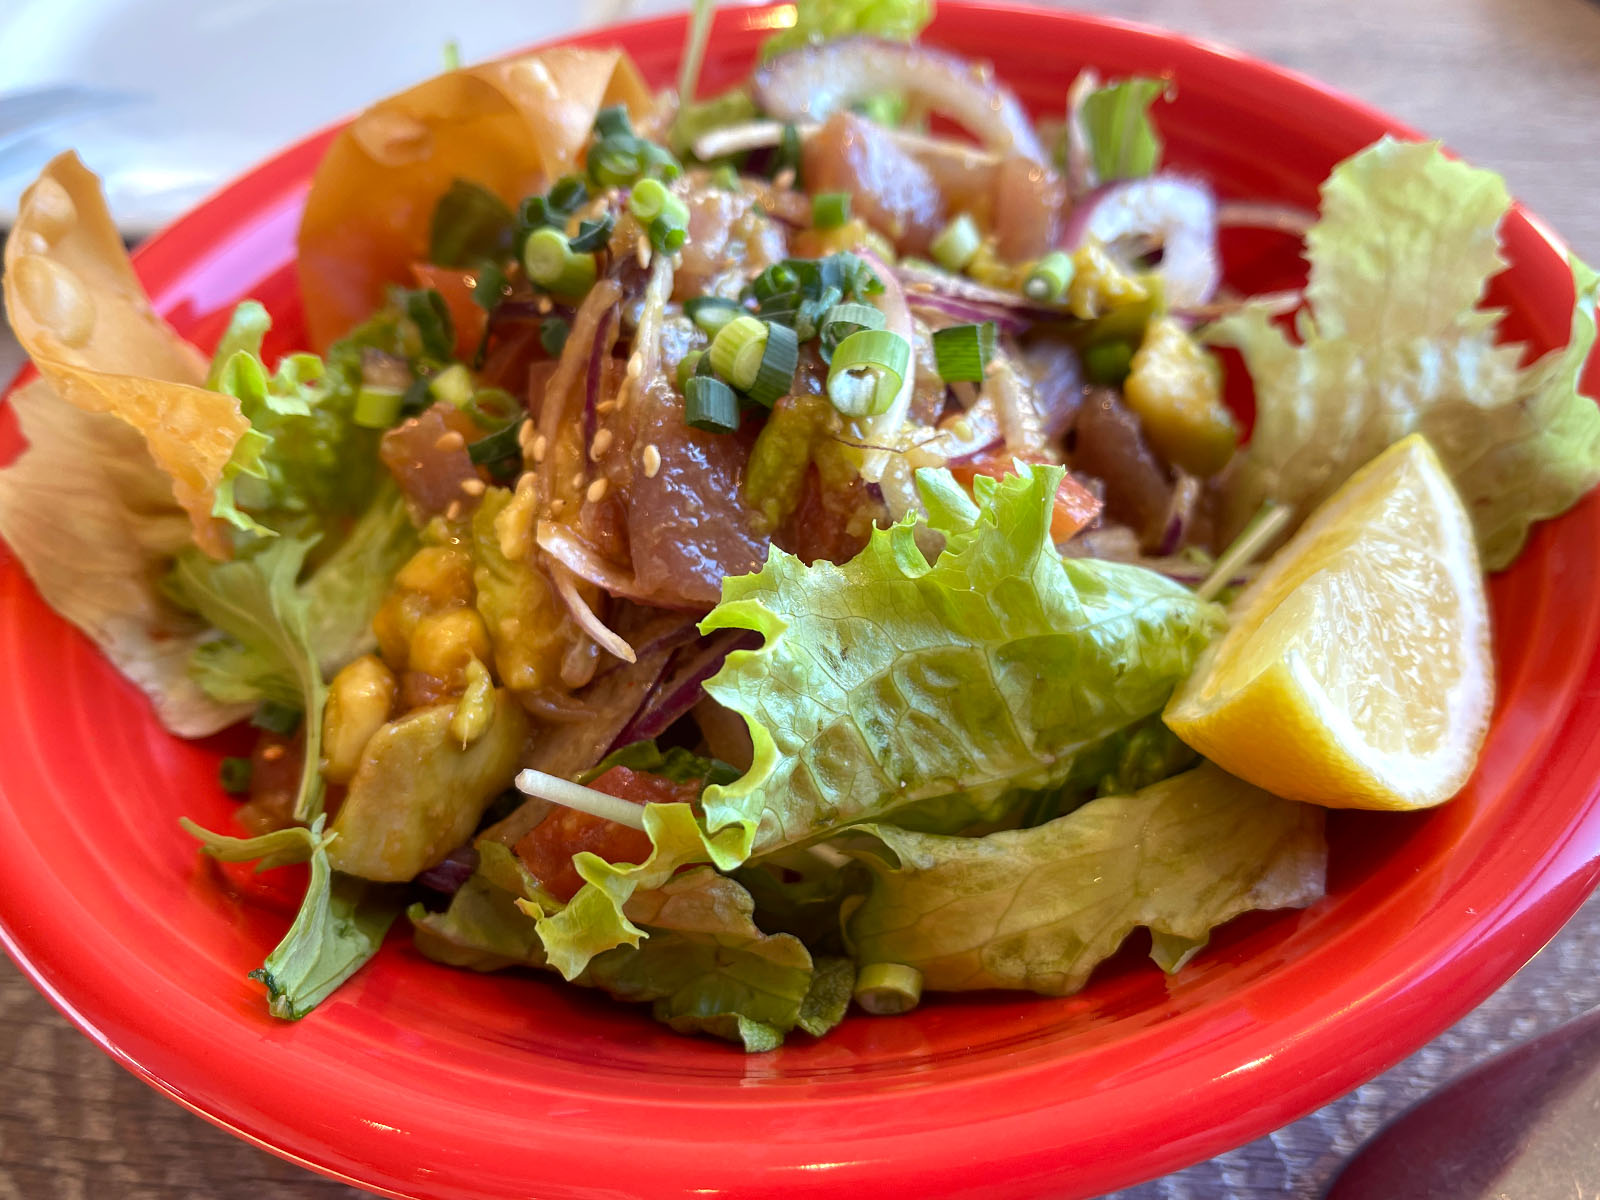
x=455 y=288
x=1076 y=505
x=548 y=849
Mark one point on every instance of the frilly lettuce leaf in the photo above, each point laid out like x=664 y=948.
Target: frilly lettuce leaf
x=891 y=689
x=1123 y=144
x=266 y=652
x=823 y=20
x=340 y=925
x=1393 y=342
x=705 y=968
x=1039 y=908
x=343 y=593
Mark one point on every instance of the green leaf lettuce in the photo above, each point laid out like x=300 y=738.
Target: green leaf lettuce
x=1039 y=908
x=1393 y=342
x=892 y=689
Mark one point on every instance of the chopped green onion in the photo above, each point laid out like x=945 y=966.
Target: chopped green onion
x=1050 y=277
x=469 y=223
x=453 y=385
x=665 y=237
x=659 y=162
x=710 y=404
x=553 y=265
x=786 y=157
x=648 y=199
x=957 y=243
x=451 y=54
x=613 y=121
x=844 y=319
x=281 y=719
x=569 y=194
x=868 y=368
x=711 y=313
x=687 y=366
x=489 y=286
x=592 y=234
x=1107 y=363
x=888 y=989
x=501 y=444
x=775 y=376
x=737 y=350
x=615 y=161
x=553 y=333
x=726 y=178
x=962 y=352
x=377 y=407
x=234 y=774
x=829 y=210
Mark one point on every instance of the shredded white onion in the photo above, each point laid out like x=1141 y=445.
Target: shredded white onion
x=604 y=636
x=1081 y=177
x=585 y=799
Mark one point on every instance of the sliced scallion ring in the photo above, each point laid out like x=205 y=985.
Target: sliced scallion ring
x=1050 y=277
x=737 y=350
x=711 y=313
x=686 y=369
x=962 y=352
x=552 y=264
x=867 y=370
x=592 y=235
x=377 y=407
x=710 y=404
x=844 y=319
x=957 y=243
x=775 y=376
x=829 y=210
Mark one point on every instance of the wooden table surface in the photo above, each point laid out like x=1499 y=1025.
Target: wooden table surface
x=1510 y=84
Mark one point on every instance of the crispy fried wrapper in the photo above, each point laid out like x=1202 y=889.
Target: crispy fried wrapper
x=83 y=317
x=512 y=127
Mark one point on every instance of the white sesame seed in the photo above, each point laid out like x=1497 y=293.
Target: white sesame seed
x=601 y=443
x=605 y=406
x=641 y=251
x=452 y=510
x=577 y=480
x=540 y=445
x=272 y=754
x=597 y=490
x=450 y=440
x=652 y=461
x=545 y=305
x=472 y=487
x=635 y=365
x=784 y=178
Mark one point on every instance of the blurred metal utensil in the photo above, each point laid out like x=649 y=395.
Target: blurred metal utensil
x=1521 y=1126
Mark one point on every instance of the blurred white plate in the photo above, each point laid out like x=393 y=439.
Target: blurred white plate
x=211 y=88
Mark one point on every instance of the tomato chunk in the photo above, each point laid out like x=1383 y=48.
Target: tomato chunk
x=548 y=848
x=455 y=288
x=1076 y=505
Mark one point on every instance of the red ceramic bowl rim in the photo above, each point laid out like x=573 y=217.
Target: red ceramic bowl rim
x=1458 y=954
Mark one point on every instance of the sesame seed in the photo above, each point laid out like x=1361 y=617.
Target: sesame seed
x=597 y=490
x=605 y=406
x=527 y=483
x=577 y=480
x=452 y=511
x=272 y=753
x=525 y=435
x=540 y=445
x=652 y=461
x=472 y=487
x=635 y=365
x=557 y=506
x=784 y=178
x=641 y=250
x=450 y=440
x=601 y=443
x=544 y=305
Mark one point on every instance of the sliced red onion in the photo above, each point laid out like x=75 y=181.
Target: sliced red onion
x=1178 y=213
x=1006 y=320
x=1255 y=214
x=811 y=83
x=681 y=685
x=454 y=870
x=566 y=547
x=929 y=289
x=1180 y=514
x=595 y=373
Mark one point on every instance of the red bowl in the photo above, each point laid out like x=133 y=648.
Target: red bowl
x=420 y=1081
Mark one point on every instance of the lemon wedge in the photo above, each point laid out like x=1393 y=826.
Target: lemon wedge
x=1356 y=670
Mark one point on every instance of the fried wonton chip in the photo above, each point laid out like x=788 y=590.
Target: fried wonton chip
x=83 y=317
x=511 y=127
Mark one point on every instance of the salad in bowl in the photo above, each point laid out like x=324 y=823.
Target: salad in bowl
x=790 y=550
